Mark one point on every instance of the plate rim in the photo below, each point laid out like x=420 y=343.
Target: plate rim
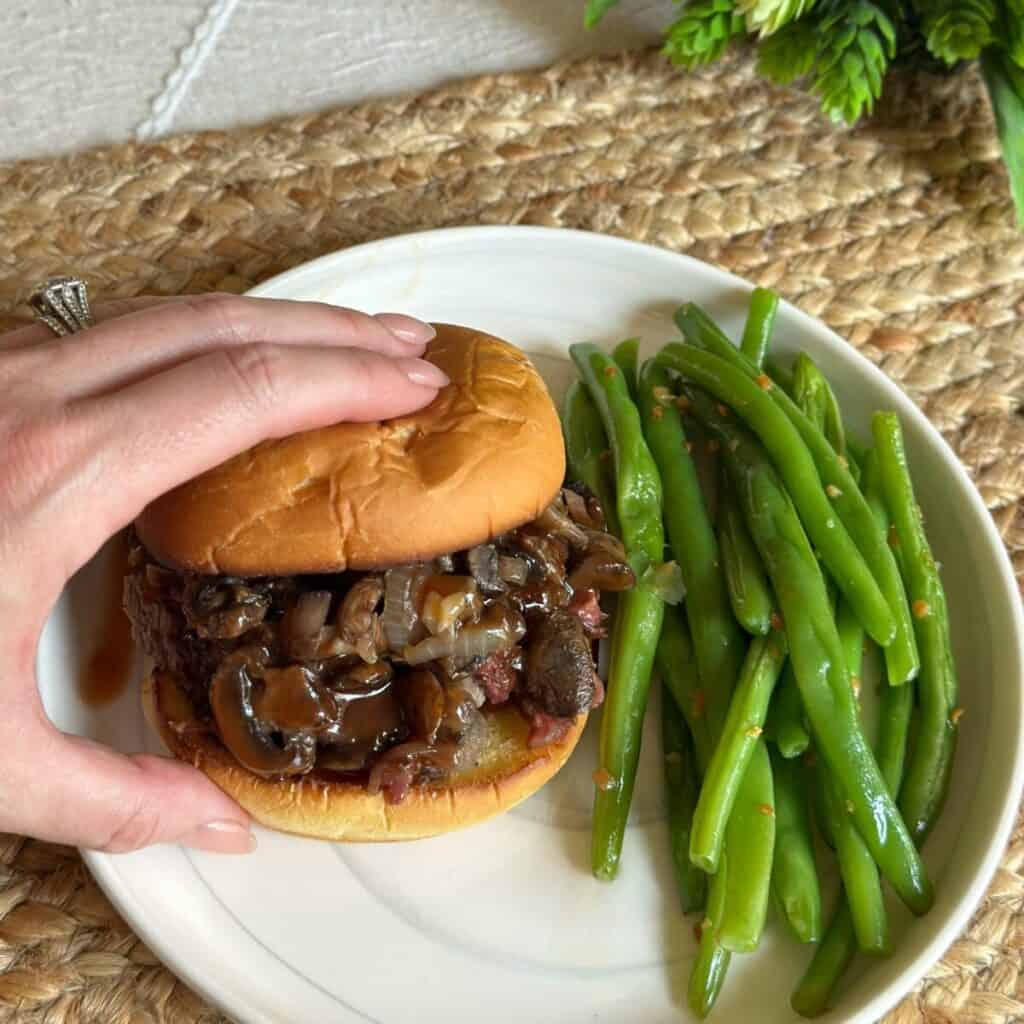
x=103 y=867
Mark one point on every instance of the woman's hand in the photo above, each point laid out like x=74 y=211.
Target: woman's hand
x=92 y=428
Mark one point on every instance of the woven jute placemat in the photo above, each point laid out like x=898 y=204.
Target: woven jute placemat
x=899 y=234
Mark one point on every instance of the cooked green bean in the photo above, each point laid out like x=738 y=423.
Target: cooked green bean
x=785 y=725
x=812 y=391
x=718 y=646
x=735 y=747
x=749 y=593
x=712 y=963
x=638 y=612
x=896 y=706
x=717 y=639
x=779 y=374
x=678 y=671
x=681 y=787
x=901 y=655
x=746 y=863
x=927 y=775
x=626 y=355
x=861 y=883
x=793 y=460
x=757 y=332
x=795 y=885
x=833 y=955
x=817 y=655
x=586 y=450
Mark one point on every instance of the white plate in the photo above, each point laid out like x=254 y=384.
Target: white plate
x=504 y=921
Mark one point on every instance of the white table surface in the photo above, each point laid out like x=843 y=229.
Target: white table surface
x=75 y=73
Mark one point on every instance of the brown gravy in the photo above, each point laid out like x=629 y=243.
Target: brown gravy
x=108 y=669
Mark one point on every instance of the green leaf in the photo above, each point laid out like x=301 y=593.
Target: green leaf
x=856 y=41
x=703 y=33
x=1013 y=29
x=1005 y=83
x=766 y=17
x=596 y=10
x=958 y=29
x=789 y=53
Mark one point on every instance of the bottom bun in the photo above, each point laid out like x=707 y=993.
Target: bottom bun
x=508 y=772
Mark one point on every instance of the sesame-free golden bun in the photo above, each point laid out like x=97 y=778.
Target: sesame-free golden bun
x=484 y=457
x=506 y=773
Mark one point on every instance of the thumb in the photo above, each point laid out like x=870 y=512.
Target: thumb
x=86 y=795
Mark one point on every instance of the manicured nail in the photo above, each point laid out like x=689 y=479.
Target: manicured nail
x=419 y=371
x=220 y=837
x=406 y=328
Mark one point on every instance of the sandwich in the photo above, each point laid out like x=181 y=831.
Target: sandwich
x=381 y=631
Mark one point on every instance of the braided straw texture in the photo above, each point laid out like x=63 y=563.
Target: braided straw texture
x=899 y=234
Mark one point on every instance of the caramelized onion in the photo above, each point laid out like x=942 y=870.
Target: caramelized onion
x=301 y=625
x=401 y=594
x=499 y=628
x=449 y=601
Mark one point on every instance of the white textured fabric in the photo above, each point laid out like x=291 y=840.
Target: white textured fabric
x=76 y=73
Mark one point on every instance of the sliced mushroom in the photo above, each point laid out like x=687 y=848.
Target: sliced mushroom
x=241 y=731
x=423 y=701
x=292 y=700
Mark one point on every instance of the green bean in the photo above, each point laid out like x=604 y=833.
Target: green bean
x=840 y=942
x=712 y=963
x=678 y=670
x=927 y=776
x=743 y=726
x=745 y=867
x=785 y=725
x=901 y=655
x=795 y=885
x=896 y=705
x=757 y=332
x=817 y=655
x=718 y=647
x=626 y=355
x=586 y=450
x=779 y=374
x=749 y=593
x=861 y=883
x=638 y=612
x=833 y=955
x=675 y=658
x=717 y=639
x=794 y=462
x=811 y=391
x=681 y=788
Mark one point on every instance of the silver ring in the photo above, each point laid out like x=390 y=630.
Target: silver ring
x=62 y=303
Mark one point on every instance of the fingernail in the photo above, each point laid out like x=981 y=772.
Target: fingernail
x=220 y=837
x=419 y=371
x=406 y=328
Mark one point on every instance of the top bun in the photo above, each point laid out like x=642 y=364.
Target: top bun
x=484 y=457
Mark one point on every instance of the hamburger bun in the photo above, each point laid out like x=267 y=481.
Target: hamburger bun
x=507 y=773
x=484 y=457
